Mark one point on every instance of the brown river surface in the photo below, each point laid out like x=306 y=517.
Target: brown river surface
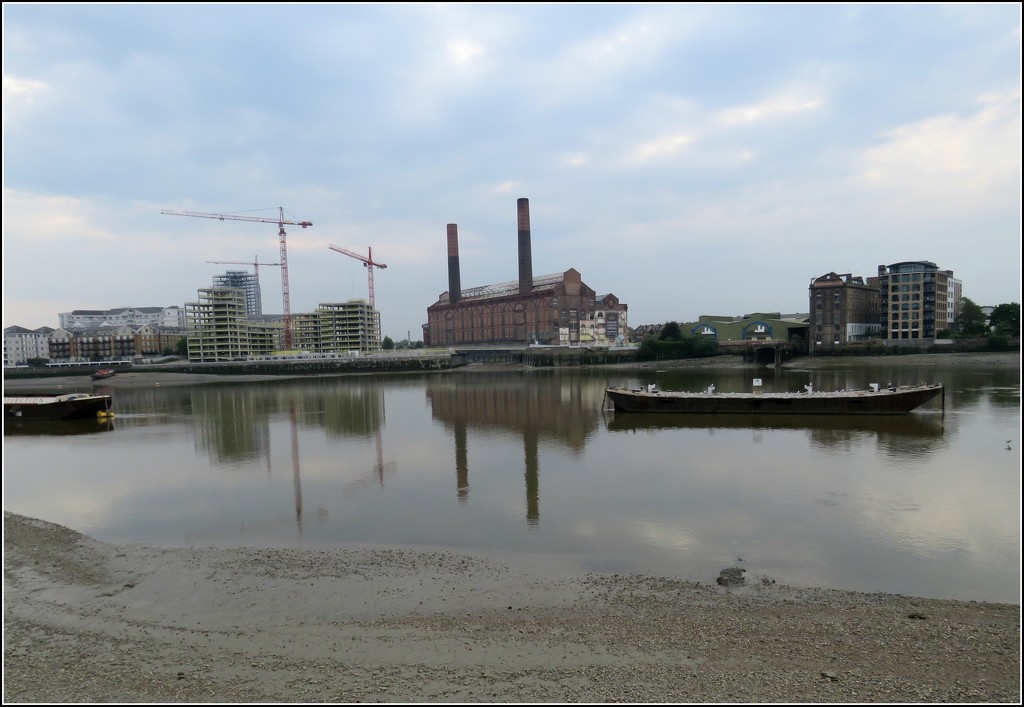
x=532 y=464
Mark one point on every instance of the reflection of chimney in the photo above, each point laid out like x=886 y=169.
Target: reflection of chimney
x=532 y=477
x=454 y=281
x=461 y=461
x=525 y=254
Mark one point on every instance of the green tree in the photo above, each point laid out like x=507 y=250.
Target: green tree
x=183 y=346
x=648 y=348
x=998 y=342
x=388 y=344
x=704 y=346
x=973 y=321
x=671 y=332
x=1005 y=319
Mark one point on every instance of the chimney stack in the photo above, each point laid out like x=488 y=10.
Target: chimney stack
x=454 y=281
x=525 y=252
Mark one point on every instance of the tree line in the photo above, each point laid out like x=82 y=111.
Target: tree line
x=973 y=322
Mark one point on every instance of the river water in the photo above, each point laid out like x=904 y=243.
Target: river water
x=531 y=465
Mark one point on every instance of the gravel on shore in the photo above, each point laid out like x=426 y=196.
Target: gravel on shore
x=87 y=621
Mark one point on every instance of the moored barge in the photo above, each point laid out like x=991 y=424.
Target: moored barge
x=70 y=406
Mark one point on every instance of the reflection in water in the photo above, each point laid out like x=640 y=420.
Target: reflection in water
x=376 y=476
x=232 y=427
x=563 y=409
x=296 y=476
x=461 y=462
x=924 y=504
x=233 y=423
x=893 y=434
x=58 y=427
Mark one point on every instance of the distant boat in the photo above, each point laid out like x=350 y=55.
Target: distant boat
x=884 y=401
x=104 y=373
x=71 y=406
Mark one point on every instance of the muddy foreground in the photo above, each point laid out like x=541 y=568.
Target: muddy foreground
x=86 y=621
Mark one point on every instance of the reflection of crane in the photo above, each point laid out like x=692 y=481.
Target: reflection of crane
x=296 y=479
x=368 y=263
x=378 y=469
x=280 y=221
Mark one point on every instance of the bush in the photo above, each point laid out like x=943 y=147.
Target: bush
x=998 y=342
x=654 y=349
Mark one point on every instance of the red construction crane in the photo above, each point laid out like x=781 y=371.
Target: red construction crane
x=368 y=263
x=281 y=222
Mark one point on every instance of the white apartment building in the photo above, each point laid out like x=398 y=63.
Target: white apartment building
x=21 y=344
x=122 y=316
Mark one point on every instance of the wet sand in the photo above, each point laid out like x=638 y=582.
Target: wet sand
x=86 y=621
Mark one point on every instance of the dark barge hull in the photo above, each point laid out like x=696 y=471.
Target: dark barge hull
x=74 y=406
x=896 y=401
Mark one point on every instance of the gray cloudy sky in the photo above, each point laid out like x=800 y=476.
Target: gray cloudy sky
x=691 y=159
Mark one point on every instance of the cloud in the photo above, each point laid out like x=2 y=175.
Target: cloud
x=661 y=147
x=16 y=88
x=964 y=158
x=53 y=219
x=789 y=102
x=462 y=52
x=686 y=136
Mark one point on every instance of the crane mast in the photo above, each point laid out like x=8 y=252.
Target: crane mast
x=368 y=263
x=282 y=238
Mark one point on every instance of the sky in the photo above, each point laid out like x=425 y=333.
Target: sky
x=690 y=159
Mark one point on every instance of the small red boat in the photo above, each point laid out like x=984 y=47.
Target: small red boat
x=103 y=373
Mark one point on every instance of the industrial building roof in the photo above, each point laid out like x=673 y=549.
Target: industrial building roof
x=504 y=289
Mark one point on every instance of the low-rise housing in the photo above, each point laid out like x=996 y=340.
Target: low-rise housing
x=122 y=316
x=22 y=345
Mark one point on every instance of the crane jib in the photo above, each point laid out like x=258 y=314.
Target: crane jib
x=285 y=295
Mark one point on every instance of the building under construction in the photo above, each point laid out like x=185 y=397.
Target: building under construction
x=248 y=283
x=557 y=310
x=219 y=329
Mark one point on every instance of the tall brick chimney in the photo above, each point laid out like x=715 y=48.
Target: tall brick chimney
x=525 y=251
x=454 y=280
